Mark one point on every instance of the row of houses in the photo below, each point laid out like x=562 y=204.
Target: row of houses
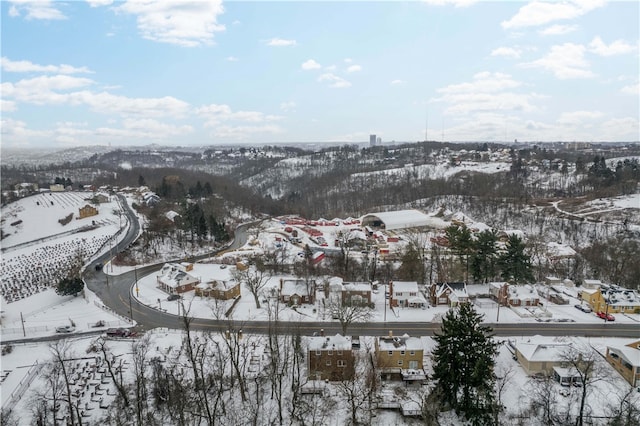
x=396 y=357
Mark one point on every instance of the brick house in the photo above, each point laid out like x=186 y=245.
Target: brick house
x=513 y=295
x=175 y=278
x=450 y=294
x=218 y=289
x=356 y=293
x=296 y=292
x=330 y=358
x=400 y=358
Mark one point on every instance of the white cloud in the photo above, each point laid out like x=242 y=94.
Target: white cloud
x=330 y=68
x=288 y=106
x=39 y=9
x=279 y=42
x=27 y=66
x=354 y=68
x=232 y=59
x=621 y=129
x=579 y=117
x=348 y=60
x=310 y=65
x=486 y=93
x=43 y=90
x=181 y=22
x=617 y=47
x=217 y=114
x=7 y=106
x=558 y=29
x=456 y=3
x=98 y=3
x=397 y=82
x=542 y=12
x=334 y=81
x=506 y=51
x=633 y=89
x=566 y=61
x=244 y=132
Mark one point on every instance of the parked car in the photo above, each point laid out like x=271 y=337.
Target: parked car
x=174 y=297
x=606 y=316
x=584 y=308
x=118 y=332
x=65 y=329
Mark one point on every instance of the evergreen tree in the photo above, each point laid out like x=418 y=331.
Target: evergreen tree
x=461 y=244
x=411 y=268
x=483 y=260
x=69 y=286
x=142 y=181
x=463 y=365
x=515 y=264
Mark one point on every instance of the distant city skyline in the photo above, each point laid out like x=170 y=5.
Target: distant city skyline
x=134 y=73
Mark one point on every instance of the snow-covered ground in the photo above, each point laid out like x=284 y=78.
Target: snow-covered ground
x=40 y=235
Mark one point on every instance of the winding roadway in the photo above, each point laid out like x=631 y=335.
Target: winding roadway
x=116 y=293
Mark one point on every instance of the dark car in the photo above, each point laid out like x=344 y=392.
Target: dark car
x=173 y=297
x=98 y=266
x=117 y=332
x=583 y=308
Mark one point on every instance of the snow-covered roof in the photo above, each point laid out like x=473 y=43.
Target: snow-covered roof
x=627 y=352
x=353 y=286
x=458 y=290
x=405 y=286
x=293 y=286
x=541 y=352
x=174 y=275
x=171 y=215
x=218 y=285
x=557 y=250
x=522 y=292
x=402 y=343
x=399 y=219
x=330 y=343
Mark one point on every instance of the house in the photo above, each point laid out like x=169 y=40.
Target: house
x=218 y=289
x=175 y=278
x=297 y=292
x=612 y=299
x=626 y=361
x=356 y=293
x=87 y=211
x=400 y=358
x=514 y=295
x=450 y=294
x=150 y=198
x=541 y=357
x=330 y=358
x=405 y=294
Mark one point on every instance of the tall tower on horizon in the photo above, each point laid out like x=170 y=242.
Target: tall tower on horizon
x=372 y=140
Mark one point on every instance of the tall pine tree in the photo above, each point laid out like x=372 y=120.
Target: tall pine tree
x=463 y=364
x=515 y=263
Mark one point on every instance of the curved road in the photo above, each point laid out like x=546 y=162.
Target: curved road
x=116 y=294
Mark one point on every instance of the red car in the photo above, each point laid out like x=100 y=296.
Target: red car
x=606 y=316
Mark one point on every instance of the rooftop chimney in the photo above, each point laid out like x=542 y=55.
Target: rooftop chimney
x=390 y=333
x=322 y=332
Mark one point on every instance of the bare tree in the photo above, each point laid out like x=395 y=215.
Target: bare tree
x=626 y=411
x=357 y=391
x=586 y=363
x=61 y=353
x=254 y=279
x=115 y=371
x=544 y=400
x=348 y=313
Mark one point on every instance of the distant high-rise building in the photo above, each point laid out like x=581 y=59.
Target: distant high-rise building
x=378 y=141
x=372 y=140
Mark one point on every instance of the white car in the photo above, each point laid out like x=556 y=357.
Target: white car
x=65 y=329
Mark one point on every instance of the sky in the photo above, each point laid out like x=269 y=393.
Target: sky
x=194 y=73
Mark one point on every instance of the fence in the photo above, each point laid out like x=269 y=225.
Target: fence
x=112 y=312
x=24 y=384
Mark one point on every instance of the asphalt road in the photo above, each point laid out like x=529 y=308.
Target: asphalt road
x=116 y=294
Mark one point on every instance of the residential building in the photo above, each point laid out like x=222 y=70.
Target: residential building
x=175 y=278
x=296 y=292
x=218 y=289
x=330 y=358
x=450 y=294
x=400 y=358
x=626 y=360
x=612 y=299
x=87 y=211
x=405 y=294
x=356 y=293
x=541 y=357
x=514 y=295
x=372 y=141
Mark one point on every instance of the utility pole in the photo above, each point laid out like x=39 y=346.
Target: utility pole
x=24 y=333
